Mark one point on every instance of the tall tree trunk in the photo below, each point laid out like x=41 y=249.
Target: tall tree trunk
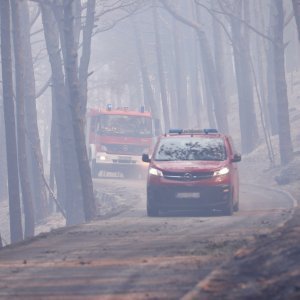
x=3 y=164
x=271 y=96
x=161 y=71
x=248 y=123
x=35 y=152
x=86 y=53
x=10 y=126
x=296 y=6
x=208 y=67
x=284 y=131
x=180 y=77
x=77 y=118
x=73 y=194
x=147 y=88
x=21 y=128
x=208 y=101
x=219 y=58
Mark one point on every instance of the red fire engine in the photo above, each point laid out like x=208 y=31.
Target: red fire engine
x=117 y=138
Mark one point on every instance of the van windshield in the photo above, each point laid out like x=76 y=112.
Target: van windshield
x=191 y=148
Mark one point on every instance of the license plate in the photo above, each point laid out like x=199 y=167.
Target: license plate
x=188 y=195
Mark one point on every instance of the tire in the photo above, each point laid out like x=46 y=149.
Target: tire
x=228 y=207
x=236 y=206
x=152 y=210
x=94 y=169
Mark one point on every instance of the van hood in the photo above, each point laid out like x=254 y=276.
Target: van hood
x=189 y=166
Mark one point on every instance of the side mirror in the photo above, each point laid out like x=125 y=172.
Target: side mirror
x=145 y=157
x=236 y=157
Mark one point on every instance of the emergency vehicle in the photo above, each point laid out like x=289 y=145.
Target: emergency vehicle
x=193 y=170
x=118 y=137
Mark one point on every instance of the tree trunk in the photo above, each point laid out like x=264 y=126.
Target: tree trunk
x=271 y=96
x=3 y=164
x=218 y=40
x=248 y=123
x=284 y=131
x=296 y=6
x=86 y=53
x=35 y=153
x=10 y=126
x=20 y=107
x=73 y=194
x=208 y=68
x=161 y=71
x=180 y=77
x=77 y=118
x=147 y=88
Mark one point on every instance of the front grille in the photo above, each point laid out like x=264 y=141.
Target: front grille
x=124 y=149
x=186 y=176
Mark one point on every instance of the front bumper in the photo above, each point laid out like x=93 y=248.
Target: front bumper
x=113 y=162
x=188 y=198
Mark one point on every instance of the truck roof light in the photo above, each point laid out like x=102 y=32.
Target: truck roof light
x=176 y=131
x=142 y=109
x=109 y=107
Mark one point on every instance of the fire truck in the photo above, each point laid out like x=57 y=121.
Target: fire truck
x=117 y=138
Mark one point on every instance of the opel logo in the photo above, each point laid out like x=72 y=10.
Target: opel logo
x=187 y=176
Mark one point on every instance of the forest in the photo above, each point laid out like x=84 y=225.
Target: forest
x=226 y=64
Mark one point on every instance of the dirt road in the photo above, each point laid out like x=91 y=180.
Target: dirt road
x=127 y=255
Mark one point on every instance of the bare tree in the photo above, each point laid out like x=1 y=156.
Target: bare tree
x=284 y=131
x=20 y=105
x=77 y=118
x=296 y=6
x=15 y=218
x=160 y=66
x=242 y=59
x=3 y=166
x=35 y=158
x=208 y=65
x=147 y=88
x=70 y=185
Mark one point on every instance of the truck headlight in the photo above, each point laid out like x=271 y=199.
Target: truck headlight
x=222 y=171
x=100 y=156
x=155 y=172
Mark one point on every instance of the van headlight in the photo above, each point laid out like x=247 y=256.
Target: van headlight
x=223 y=171
x=155 y=172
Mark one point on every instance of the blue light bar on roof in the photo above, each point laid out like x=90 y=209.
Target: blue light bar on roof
x=210 y=130
x=192 y=131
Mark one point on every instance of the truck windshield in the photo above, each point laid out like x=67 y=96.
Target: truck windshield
x=191 y=148
x=123 y=125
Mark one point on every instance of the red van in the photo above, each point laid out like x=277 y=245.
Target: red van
x=192 y=170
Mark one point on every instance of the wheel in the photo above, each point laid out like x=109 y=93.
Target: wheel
x=228 y=207
x=94 y=169
x=237 y=203
x=152 y=210
x=236 y=206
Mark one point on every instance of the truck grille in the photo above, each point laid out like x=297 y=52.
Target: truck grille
x=124 y=149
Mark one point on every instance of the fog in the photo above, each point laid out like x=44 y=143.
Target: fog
x=230 y=65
